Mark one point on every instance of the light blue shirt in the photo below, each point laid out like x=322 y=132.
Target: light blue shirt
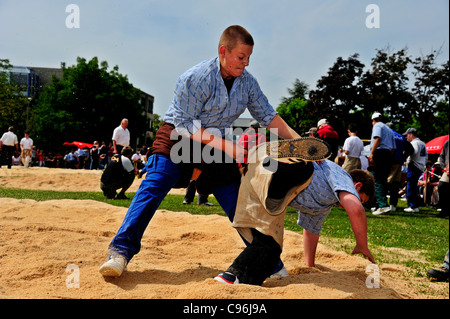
x=314 y=203
x=202 y=100
x=385 y=133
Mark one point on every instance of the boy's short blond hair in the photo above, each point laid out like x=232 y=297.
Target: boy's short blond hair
x=233 y=35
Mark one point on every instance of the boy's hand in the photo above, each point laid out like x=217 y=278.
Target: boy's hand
x=365 y=252
x=240 y=153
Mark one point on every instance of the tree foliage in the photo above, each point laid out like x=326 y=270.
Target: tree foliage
x=13 y=104
x=86 y=105
x=294 y=109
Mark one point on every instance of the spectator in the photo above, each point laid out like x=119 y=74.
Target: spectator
x=327 y=133
x=95 y=156
x=382 y=145
x=121 y=137
x=103 y=155
x=51 y=160
x=137 y=160
x=40 y=156
x=312 y=132
x=416 y=166
x=119 y=174
x=402 y=150
x=252 y=137
x=443 y=187
x=353 y=147
x=70 y=160
x=26 y=145
x=16 y=159
x=8 y=143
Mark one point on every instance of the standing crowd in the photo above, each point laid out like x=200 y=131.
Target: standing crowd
x=400 y=164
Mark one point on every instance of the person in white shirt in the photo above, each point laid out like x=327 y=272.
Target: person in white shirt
x=416 y=165
x=353 y=147
x=137 y=160
x=121 y=137
x=26 y=145
x=8 y=144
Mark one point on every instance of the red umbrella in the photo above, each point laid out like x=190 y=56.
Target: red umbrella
x=435 y=145
x=79 y=144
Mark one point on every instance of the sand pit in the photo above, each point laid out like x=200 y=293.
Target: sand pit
x=181 y=253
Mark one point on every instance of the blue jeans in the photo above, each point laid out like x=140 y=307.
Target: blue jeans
x=162 y=174
x=412 y=194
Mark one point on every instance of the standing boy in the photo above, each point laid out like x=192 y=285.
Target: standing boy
x=208 y=98
x=353 y=147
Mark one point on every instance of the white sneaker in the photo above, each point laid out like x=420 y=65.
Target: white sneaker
x=280 y=273
x=381 y=210
x=114 y=267
x=393 y=208
x=411 y=210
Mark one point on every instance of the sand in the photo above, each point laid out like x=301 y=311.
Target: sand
x=53 y=249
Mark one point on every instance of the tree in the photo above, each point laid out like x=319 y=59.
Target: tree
x=294 y=109
x=300 y=91
x=431 y=87
x=13 y=104
x=385 y=86
x=338 y=94
x=86 y=105
x=297 y=115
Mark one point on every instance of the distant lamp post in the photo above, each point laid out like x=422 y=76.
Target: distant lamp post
x=28 y=109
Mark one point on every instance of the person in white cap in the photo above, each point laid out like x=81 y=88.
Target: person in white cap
x=416 y=166
x=382 y=146
x=327 y=133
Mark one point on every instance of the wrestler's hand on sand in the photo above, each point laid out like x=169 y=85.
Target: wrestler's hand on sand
x=365 y=252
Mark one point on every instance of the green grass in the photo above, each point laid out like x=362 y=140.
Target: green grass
x=416 y=240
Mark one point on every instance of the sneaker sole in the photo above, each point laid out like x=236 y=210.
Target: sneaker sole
x=306 y=149
x=224 y=281
x=110 y=271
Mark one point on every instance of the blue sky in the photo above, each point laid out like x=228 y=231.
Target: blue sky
x=154 y=41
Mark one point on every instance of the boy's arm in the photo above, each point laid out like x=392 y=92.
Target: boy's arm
x=235 y=150
x=232 y=149
x=310 y=241
x=357 y=216
x=284 y=130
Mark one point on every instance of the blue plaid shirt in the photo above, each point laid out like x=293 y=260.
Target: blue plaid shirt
x=314 y=203
x=202 y=100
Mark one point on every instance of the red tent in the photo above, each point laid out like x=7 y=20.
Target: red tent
x=435 y=145
x=79 y=144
